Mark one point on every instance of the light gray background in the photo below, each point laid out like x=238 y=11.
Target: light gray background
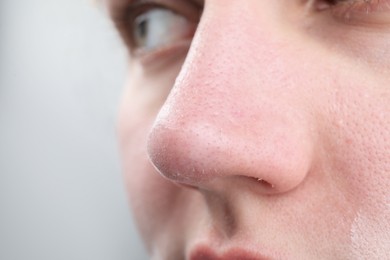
x=61 y=192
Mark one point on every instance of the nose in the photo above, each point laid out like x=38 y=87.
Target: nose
x=237 y=108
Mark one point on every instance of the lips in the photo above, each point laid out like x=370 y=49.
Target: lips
x=207 y=253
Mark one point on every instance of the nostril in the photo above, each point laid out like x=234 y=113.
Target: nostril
x=264 y=183
x=191 y=187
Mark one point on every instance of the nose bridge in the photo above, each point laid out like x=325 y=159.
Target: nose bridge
x=226 y=114
x=229 y=57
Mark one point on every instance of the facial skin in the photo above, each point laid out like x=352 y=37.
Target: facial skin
x=265 y=135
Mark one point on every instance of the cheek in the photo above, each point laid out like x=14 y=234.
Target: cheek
x=369 y=169
x=362 y=130
x=151 y=197
x=360 y=152
x=370 y=235
x=142 y=181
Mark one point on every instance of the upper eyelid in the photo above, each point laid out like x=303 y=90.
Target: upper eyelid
x=120 y=9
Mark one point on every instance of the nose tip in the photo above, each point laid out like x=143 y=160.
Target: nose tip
x=182 y=154
x=198 y=154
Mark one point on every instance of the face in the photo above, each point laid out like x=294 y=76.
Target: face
x=257 y=129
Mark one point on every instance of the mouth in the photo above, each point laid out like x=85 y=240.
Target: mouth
x=205 y=252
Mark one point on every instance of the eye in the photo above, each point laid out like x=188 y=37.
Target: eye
x=156 y=31
x=365 y=11
x=158 y=28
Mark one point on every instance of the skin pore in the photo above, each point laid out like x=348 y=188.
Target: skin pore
x=257 y=129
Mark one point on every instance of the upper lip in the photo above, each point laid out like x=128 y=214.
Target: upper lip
x=205 y=252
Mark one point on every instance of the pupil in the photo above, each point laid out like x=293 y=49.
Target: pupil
x=142 y=28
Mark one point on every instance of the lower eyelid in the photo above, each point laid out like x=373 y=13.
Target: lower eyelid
x=159 y=57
